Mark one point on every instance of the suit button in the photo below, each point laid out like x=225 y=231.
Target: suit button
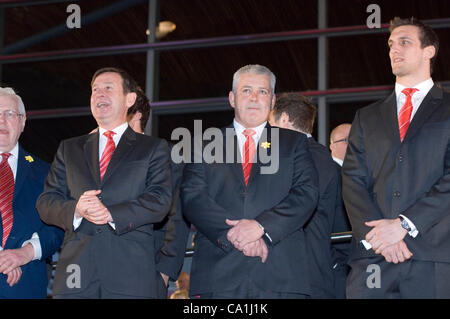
x=396 y=194
x=98 y=230
x=400 y=158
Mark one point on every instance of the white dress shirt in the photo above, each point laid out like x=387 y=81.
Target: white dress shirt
x=119 y=130
x=241 y=137
x=34 y=240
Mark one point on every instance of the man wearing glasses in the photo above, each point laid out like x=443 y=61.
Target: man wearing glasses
x=338 y=142
x=25 y=240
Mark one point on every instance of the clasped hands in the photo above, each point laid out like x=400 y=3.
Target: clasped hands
x=386 y=238
x=246 y=236
x=12 y=259
x=91 y=208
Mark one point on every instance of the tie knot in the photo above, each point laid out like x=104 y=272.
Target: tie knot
x=248 y=132
x=409 y=91
x=109 y=134
x=5 y=156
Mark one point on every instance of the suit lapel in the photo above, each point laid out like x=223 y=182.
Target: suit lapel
x=125 y=145
x=91 y=155
x=23 y=167
x=261 y=146
x=427 y=107
x=388 y=114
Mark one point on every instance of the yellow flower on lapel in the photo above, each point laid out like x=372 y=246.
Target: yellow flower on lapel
x=265 y=145
x=29 y=158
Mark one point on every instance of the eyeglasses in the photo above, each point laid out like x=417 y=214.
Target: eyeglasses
x=341 y=140
x=10 y=114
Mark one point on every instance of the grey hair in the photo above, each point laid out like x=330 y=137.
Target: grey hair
x=254 y=69
x=10 y=92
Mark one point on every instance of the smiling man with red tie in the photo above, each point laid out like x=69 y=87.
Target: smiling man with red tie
x=396 y=178
x=106 y=190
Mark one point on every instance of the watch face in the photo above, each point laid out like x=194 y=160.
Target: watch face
x=405 y=225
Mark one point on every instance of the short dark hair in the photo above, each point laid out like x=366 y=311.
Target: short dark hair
x=427 y=36
x=300 y=109
x=128 y=83
x=142 y=105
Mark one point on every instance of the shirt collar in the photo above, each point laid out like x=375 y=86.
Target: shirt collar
x=423 y=87
x=240 y=128
x=14 y=152
x=118 y=130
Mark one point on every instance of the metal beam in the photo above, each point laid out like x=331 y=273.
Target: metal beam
x=204 y=43
x=322 y=71
x=152 y=67
x=87 y=19
x=26 y=3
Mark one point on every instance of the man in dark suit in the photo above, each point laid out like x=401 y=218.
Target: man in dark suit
x=250 y=241
x=296 y=112
x=396 y=178
x=26 y=240
x=107 y=191
x=172 y=233
x=341 y=250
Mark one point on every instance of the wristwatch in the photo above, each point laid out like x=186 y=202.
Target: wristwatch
x=405 y=224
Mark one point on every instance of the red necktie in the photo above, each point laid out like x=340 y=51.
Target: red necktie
x=405 y=112
x=248 y=153
x=6 y=196
x=107 y=152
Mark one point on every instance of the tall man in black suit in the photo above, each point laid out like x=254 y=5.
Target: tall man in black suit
x=295 y=112
x=107 y=191
x=172 y=232
x=250 y=241
x=396 y=178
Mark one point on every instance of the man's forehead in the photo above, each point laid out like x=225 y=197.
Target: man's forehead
x=8 y=101
x=405 y=31
x=107 y=78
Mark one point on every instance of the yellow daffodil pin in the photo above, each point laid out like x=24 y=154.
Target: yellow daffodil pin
x=29 y=158
x=265 y=145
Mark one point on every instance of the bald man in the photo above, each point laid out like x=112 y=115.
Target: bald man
x=338 y=142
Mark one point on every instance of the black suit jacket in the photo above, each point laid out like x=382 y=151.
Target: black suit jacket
x=282 y=203
x=383 y=177
x=136 y=189
x=319 y=228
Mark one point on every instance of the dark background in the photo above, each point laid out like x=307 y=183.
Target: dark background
x=354 y=61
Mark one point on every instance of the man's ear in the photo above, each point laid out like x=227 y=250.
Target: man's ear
x=284 y=119
x=231 y=98
x=430 y=51
x=131 y=99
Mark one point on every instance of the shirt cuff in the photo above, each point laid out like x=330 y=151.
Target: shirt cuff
x=76 y=222
x=366 y=244
x=36 y=243
x=113 y=226
x=414 y=231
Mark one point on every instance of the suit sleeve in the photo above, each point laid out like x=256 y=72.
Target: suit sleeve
x=154 y=203
x=435 y=205
x=55 y=205
x=357 y=184
x=294 y=211
x=170 y=256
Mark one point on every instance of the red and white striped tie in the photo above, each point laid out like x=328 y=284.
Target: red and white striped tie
x=404 y=116
x=107 y=153
x=248 y=153
x=6 y=196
